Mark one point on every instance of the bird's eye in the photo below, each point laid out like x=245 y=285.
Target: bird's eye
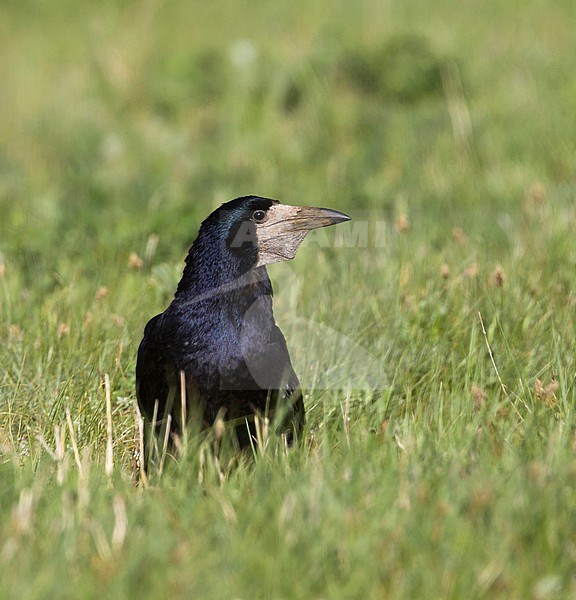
x=258 y=216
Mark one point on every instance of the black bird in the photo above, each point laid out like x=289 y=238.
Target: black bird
x=219 y=335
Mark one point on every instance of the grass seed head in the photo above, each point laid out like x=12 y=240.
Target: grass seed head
x=470 y=271
x=459 y=236
x=547 y=393
x=16 y=332
x=498 y=276
x=403 y=223
x=535 y=194
x=478 y=396
x=63 y=330
x=135 y=262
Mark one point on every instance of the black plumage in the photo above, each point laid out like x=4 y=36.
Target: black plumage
x=219 y=334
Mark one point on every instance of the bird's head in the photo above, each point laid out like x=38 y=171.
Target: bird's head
x=263 y=231
x=251 y=232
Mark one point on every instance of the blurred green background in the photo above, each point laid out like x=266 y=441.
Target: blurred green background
x=121 y=118
x=123 y=124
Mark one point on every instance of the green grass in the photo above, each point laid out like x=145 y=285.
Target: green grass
x=442 y=464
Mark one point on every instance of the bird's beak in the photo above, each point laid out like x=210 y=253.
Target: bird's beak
x=286 y=226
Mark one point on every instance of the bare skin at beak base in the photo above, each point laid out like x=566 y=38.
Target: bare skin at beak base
x=286 y=227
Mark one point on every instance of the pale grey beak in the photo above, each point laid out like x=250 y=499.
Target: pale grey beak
x=311 y=217
x=286 y=226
